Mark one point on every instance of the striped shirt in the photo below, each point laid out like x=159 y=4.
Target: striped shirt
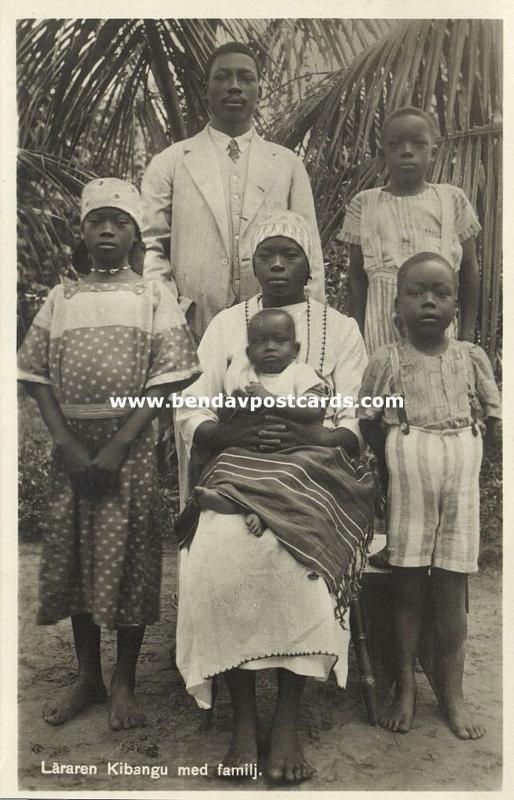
x=435 y=388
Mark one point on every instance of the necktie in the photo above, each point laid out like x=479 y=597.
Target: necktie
x=233 y=150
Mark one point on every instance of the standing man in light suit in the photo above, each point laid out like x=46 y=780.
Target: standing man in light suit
x=203 y=195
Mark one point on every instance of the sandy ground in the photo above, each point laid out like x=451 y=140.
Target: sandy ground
x=346 y=752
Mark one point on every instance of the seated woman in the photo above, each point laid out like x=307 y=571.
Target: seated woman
x=247 y=603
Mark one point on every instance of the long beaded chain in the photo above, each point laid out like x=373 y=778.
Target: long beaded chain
x=324 y=333
x=323 y=338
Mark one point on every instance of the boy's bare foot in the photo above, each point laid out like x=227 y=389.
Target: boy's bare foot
x=82 y=694
x=125 y=710
x=462 y=723
x=398 y=718
x=242 y=750
x=210 y=499
x=254 y=524
x=286 y=762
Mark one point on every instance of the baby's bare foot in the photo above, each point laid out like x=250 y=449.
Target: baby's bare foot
x=398 y=718
x=82 y=694
x=125 y=710
x=210 y=499
x=254 y=524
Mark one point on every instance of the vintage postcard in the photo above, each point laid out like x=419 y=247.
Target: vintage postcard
x=252 y=468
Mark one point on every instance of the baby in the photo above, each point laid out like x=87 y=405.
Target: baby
x=272 y=372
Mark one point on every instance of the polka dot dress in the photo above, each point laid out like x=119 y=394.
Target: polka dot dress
x=102 y=554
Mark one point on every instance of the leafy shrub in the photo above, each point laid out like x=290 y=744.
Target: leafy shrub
x=34 y=447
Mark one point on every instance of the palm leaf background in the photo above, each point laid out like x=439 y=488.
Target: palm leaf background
x=101 y=96
x=452 y=69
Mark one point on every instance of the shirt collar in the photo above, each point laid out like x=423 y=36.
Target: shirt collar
x=222 y=139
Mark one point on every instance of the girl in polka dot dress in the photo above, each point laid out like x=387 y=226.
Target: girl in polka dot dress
x=110 y=334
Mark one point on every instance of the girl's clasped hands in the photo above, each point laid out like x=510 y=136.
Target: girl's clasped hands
x=98 y=474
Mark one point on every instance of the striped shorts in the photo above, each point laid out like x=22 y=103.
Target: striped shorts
x=433 y=498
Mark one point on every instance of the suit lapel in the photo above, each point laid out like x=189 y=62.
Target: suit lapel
x=259 y=178
x=202 y=165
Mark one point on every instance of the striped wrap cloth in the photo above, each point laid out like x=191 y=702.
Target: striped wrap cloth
x=316 y=500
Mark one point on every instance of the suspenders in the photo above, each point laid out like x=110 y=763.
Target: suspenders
x=471 y=386
x=472 y=391
x=398 y=385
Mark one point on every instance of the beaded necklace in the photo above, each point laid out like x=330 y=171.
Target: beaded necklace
x=323 y=336
x=110 y=271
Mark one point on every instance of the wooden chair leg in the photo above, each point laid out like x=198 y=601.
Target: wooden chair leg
x=360 y=644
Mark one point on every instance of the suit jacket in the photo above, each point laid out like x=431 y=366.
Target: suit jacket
x=186 y=229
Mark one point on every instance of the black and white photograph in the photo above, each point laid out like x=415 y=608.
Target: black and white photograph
x=259 y=343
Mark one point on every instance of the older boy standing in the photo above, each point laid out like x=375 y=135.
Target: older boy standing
x=203 y=195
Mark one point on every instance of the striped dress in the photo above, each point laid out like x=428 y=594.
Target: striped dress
x=390 y=229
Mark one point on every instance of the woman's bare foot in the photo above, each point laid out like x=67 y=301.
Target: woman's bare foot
x=242 y=752
x=286 y=762
x=254 y=524
x=398 y=718
x=210 y=499
x=82 y=694
x=125 y=710
x=462 y=723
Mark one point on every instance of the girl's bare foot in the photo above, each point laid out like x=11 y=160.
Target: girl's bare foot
x=462 y=723
x=210 y=499
x=125 y=710
x=82 y=694
x=286 y=762
x=398 y=718
x=254 y=524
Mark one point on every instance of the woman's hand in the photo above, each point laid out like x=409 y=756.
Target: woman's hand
x=295 y=434
x=266 y=433
x=246 y=431
x=104 y=470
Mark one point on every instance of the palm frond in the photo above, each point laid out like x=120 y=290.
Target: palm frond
x=108 y=93
x=449 y=68
x=48 y=221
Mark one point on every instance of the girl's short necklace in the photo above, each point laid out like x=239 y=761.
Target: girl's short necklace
x=112 y=271
x=323 y=334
